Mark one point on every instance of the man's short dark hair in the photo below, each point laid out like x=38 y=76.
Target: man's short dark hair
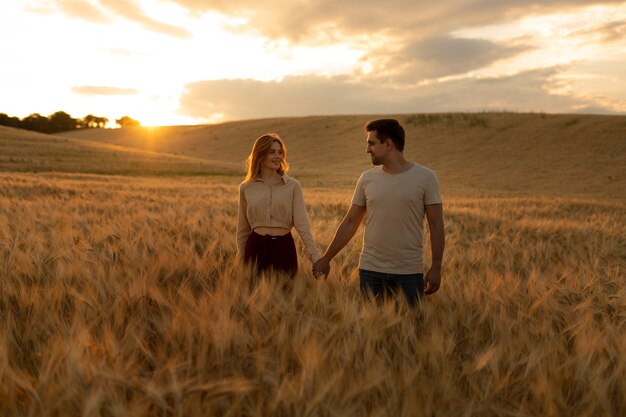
x=387 y=128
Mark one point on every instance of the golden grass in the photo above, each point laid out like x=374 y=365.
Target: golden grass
x=121 y=297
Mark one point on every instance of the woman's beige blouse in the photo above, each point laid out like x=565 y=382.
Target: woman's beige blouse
x=280 y=205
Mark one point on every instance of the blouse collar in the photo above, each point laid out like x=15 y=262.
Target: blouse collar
x=284 y=177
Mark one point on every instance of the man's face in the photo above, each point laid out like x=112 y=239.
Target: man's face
x=376 y=149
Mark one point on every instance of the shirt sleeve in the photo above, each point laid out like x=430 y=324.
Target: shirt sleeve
x=243 y=225
x=301 y=223
x=359 y=193
x=433 y=193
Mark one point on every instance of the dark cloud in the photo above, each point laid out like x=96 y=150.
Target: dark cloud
x=89 y=90
x=526 y=91
x=440 y=56
x=312 y=95
x=456 y=53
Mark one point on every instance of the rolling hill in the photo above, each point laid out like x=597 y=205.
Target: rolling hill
x=25 y=151
x=503 y=153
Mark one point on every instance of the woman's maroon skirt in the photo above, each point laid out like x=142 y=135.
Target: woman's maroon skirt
x=268 y=252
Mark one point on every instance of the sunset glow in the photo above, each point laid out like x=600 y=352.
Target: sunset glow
x=167 y=62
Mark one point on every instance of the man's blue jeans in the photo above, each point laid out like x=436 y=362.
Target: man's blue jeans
x=381 y=284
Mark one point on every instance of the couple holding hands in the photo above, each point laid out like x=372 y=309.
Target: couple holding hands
x=394 y=197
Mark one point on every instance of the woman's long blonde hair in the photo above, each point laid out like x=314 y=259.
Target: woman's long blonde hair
x=260 y=148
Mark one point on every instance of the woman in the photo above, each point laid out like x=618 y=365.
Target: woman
x=270 y=204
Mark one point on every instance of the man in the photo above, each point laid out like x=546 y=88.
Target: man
x=395 y=194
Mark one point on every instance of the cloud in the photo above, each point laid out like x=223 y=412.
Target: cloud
x=607 y=33
x=89 y=90
x=402 y=40
x=294 y=96
x=525 y=91
x=313 y=95
x=119 y=52
x=306 y=21
x=128 y=9
x=82 y=9
x=332 y=21
x=440 y=56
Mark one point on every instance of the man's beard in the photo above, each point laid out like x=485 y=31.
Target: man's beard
x=376 y=161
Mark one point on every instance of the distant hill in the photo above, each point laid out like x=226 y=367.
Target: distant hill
x=505 y=153
x=26 y=151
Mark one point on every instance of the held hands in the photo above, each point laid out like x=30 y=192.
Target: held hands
x=432 y=280
x=321 y=267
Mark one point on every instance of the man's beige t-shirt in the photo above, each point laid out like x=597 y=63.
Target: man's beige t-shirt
x=395 y=207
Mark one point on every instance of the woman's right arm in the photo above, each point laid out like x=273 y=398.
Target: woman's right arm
x=243 y=226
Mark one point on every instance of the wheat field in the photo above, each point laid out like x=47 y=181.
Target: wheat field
x=121 y=296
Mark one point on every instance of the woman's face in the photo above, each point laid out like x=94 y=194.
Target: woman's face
x=273 y=158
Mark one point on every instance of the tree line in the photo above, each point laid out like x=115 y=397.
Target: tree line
x=61 y=122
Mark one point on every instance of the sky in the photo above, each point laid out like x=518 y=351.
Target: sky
x=174 y=62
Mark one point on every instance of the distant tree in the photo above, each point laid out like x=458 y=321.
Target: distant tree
x=6 y=120
x=61 y=122
x=90 y=121
x=35 y=122
x=58 y=122
x=127 y=122
x=101 y=121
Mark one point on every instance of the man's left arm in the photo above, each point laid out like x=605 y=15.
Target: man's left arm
x=434 y=215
